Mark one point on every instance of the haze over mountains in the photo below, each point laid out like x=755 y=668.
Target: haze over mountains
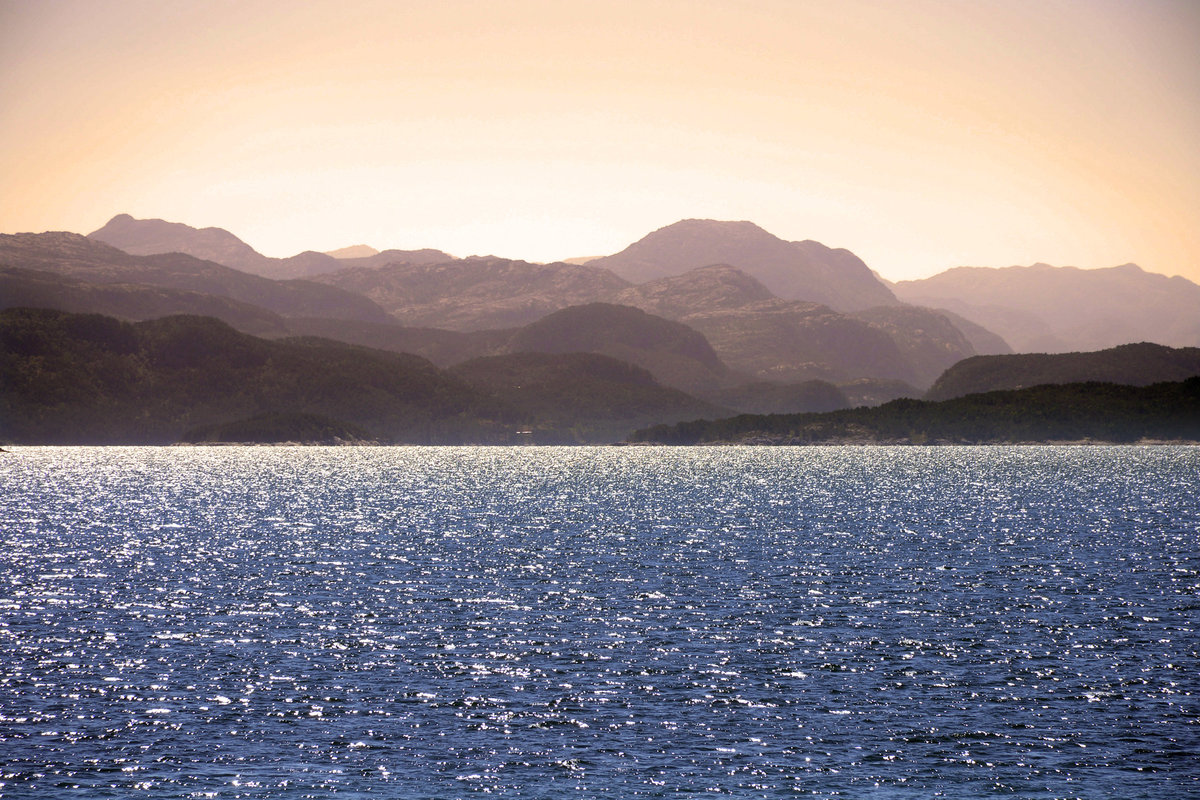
x=797 y=336
x=1061 y=309
x=731 y=315
x=806 y=270
x=146 y=237
x=94 y=262
x=475 y=293
x=89 y=379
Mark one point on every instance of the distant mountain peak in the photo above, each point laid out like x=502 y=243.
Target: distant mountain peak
x=716 y=225
x=353 y=251
x=147 y=237
x=805 y=270
x=1042 y=308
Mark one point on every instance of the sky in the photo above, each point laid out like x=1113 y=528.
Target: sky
x=920 y=134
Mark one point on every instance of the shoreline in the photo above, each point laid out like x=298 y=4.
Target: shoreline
x=14 y=449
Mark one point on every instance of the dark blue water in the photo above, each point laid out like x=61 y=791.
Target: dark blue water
x=432 y=623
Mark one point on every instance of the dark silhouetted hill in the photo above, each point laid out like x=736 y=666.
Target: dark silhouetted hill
x=442 y=347
x=90 y=379
x=286 y=427
x=1074 y=412
x=674 y=353
x=37 y=289
x=577 y=397
x=781 y=398
x=1133 y=364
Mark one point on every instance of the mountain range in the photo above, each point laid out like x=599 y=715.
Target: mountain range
x=1045 y=309
x=145 y=237
x=475 y=293
x=806 y=270
x=91 y=379
x=1023 y=309
x=756 y=332
x=731 y=316
x=93 y=262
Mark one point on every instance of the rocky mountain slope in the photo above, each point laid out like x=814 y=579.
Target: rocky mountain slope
x=807 y=271
x=709 y=289
x=476 y=293
x=929 y=342
x=787 y=342
x=428 y=289
x=95 y=262
x=771 y=339
x=145 y=237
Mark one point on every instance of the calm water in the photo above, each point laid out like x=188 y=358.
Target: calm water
x=578 y=622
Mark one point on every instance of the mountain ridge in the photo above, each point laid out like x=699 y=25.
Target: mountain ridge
x=1136 y=364
x=91 y=379
x=96 y=262
x=1042 y=308
x=807 y=270
x=147 y=237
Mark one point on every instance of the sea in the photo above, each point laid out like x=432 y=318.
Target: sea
x=611 y=622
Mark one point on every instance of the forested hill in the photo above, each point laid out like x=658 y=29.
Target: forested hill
x=1102 y=412
x=1133 y=364
x=89 y=379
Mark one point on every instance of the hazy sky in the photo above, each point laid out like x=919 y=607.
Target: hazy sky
x=920 y=134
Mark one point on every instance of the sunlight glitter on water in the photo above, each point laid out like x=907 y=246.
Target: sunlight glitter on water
x=430 y=622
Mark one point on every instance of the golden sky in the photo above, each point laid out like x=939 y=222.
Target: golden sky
x=921 y=134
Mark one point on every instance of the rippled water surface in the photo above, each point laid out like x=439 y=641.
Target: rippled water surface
x=612 y=622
